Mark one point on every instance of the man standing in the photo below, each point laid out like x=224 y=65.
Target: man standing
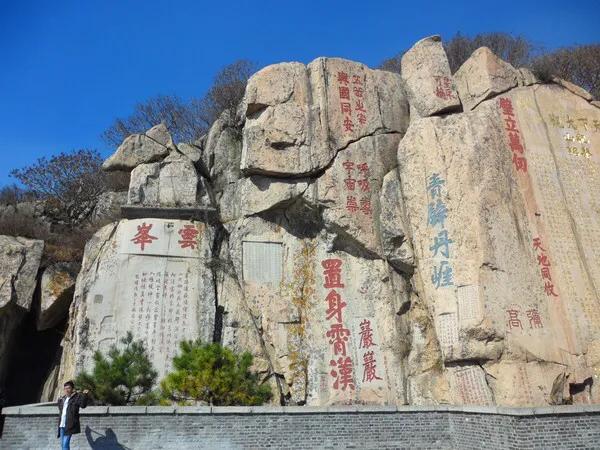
x=69 y=405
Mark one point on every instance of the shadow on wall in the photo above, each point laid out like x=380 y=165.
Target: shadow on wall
x=106 y=441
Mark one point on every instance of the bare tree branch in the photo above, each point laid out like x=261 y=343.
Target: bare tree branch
x=186 y=121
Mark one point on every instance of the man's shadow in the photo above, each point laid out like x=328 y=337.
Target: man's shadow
x=106 y=441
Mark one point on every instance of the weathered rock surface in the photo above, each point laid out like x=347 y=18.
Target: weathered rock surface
x=426 y=74
x=365 y=255
x=191 y=151
x=19 y=263
x=526 y=77
x=172 y=182
x=56 y=293
x=108 y=206
x=497 y=202
x=395 y=239
x=137 y=149
x=577 y=90
x=313 y=306
x=348 y=191
x=177 y=182
x=483 y=76
x=298 y=117
x=221 y=154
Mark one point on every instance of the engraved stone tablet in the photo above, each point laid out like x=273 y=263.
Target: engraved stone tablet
x=262 y=261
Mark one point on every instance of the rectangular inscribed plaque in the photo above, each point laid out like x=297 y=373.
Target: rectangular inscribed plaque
x=262 y=261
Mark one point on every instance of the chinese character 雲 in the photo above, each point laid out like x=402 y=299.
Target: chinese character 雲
x=188 y=236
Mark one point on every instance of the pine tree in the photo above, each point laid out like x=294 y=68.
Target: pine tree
x=213 y=374
x=123 y=377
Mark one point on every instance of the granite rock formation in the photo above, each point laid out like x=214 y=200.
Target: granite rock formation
x=369 y=237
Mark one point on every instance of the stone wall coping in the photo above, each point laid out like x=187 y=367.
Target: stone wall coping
x=45 y=410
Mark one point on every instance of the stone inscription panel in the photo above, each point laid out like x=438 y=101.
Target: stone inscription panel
x=447 y=329
x=160 y=237
x=262 y=261
x=470 y=387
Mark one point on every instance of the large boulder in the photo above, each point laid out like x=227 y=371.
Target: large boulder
x=221 y=153
x=483 y=76
x=348 y=192
x=298 y=117
x=395 y=239
x=20 y=263
x=426 y=74
x=138 y=149
x=169 y=183
x=193 y=152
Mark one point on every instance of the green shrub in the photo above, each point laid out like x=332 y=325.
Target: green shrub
x=215 y=375
x=123 y=377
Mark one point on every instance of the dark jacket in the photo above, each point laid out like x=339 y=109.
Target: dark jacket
x=76 y=401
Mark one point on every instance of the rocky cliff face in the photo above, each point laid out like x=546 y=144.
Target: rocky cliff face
x=18 y=271
x=369 y=237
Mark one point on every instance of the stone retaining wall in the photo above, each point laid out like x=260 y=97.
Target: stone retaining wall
x=440 y=427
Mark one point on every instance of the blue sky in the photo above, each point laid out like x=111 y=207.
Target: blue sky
x=69 y=68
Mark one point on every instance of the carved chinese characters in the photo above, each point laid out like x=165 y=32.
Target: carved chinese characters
x=150 y=279
x=576 y=132
x=342 y=370
x=518 y=207
x=359 y=190
x=162 y=237
x=298 y=117
x=443 y=88
x=364 y=261
x=367 y=347
x=143 y=237
x=470 y=386
x=160 y=313
x=351 y=91
x=513 y=134
x=441 y=274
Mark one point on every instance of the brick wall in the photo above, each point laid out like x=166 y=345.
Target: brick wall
x=34 y=427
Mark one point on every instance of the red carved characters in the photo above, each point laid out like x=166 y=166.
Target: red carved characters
x=514 y=322
x=338 y=335
x=359 y=186
x=369 y=368
x=369 y=361
x=443 y=88
x=366 y=335
x=342 y=372
x=351 y=91
x=335 y=306
x=513 y=134
x=535 y=320
x=143 y=237
x=333 y=273
x=513 y=318
x=544 y=263
x=189 y=234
